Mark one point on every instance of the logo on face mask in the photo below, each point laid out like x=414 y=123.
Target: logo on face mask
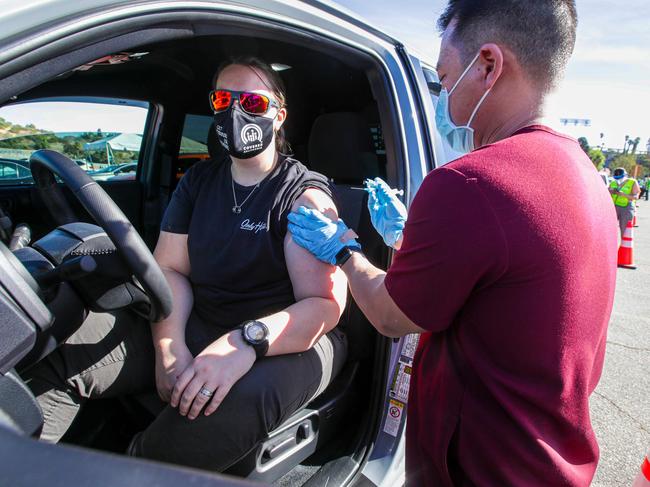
x=243 y=135
x=251 y=133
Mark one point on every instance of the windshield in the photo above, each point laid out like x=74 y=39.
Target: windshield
x=100 y=137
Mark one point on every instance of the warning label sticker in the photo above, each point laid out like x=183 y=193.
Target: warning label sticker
x=399 y=389
x=394 y=417
x=408 y=349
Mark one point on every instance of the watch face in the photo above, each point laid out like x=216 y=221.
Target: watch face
x=255 y=332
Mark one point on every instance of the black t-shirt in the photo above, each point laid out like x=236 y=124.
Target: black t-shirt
x=238 y=268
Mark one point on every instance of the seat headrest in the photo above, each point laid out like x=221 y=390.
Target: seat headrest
x=340 y=147
x=215 y=149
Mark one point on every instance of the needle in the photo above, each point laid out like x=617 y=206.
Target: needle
x=399 y=192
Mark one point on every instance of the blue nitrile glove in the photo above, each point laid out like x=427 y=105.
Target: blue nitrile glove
x=319 y=235
x=387 y=212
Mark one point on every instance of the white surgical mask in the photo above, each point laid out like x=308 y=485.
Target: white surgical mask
x=460 y=139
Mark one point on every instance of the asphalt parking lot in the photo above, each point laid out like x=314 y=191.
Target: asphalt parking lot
x=620 y=406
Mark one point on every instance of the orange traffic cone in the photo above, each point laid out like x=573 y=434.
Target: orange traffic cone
x=626 y=250
x=643 y=479
x=634 y=223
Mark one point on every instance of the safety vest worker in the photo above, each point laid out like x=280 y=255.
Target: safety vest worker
x=625 y=188
x=624 y=191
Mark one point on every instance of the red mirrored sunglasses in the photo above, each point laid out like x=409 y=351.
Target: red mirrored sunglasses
x=253 y=103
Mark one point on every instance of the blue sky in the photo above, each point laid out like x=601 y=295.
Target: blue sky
x=608 y=78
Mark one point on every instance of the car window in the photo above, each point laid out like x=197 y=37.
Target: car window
x=102 y=136
x=195 y=134
x=444 y=153
x=194 y=142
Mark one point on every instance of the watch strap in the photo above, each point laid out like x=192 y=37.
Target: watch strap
x=345 y=253
x=261 y=349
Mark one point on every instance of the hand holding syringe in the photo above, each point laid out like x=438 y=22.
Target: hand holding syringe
x=370 y=183
x=387 y=212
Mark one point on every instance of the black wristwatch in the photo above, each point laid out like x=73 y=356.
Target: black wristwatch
x=256 y=334
x=345 y=253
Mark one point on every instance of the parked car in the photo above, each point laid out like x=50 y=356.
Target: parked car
x=106 y=171
x=120 y=172
x=360 y=106
x=15 y=172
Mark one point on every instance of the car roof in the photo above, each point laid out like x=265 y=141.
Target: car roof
x=19 y=17
x=25 y=13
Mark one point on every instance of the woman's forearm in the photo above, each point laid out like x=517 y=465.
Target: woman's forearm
x=172 y=328
x=298 y=327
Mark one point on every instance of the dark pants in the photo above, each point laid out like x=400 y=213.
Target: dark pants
x=113 y=355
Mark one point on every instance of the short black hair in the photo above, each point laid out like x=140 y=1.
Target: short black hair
x=540 y=33
x=619 y=171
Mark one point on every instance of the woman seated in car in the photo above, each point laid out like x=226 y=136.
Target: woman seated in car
x=252 y=334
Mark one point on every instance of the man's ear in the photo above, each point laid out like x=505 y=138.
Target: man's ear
x=490 y=62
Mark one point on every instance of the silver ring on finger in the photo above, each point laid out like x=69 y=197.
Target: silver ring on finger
x=206 y=392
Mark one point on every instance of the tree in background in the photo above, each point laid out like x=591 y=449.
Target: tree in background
x=122 y=157
x=626 y=161
x=597 y=157
x=635 y=144
x=627 y=138
x=73 y=148
x=644 y=162
x=584 y=144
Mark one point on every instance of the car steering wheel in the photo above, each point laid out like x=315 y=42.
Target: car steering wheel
x=45 y=164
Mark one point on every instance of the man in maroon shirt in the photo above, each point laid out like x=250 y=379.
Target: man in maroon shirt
x=510 y=282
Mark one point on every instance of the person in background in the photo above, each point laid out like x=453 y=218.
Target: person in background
x=625 y=191
x=487 y=269
x=605 y=175
x=647 y=187
x=642 y=186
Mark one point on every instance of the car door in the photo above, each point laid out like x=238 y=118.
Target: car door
x=104 y=137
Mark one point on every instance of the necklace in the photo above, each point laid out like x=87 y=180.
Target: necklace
x=237 y=208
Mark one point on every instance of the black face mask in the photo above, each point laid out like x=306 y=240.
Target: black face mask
x=241 y=134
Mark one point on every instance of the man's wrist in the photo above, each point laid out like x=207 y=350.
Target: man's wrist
x=343 y=255
x=348 y=265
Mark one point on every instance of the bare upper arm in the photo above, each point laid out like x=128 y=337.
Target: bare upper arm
x=171 y=253
x=309 y=276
